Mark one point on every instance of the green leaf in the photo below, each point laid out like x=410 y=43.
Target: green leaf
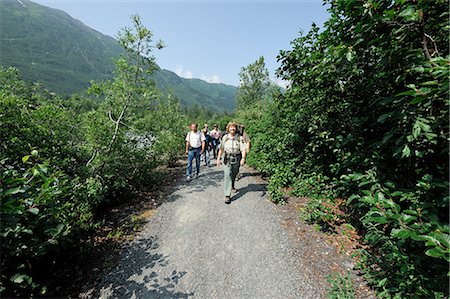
x=407 y=12
x=43 y=168
x=19 y=278
x=14 y=191
x=380 y=220
x=408 y=218
x=349 y=56
x=382 y=282
x=25 y=158
x=367 y=199
x=34 y=211
x=58 y=230
x=383 y=117
x=406 y=152
x=430 y=83
x=406 y=93
x=435 y=252
x=402 y=233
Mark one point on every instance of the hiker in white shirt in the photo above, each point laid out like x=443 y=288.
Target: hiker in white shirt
x=195 y=146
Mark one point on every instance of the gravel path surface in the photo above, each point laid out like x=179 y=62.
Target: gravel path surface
x=196 y=246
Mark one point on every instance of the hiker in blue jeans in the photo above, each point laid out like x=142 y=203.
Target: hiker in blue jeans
x=195 y=146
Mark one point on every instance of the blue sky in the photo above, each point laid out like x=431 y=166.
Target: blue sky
x=210 y=40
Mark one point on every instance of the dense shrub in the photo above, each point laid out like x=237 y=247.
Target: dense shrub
x=63 y=158
x=367 y=111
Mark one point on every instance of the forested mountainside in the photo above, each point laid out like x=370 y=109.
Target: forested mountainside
x=63 y=54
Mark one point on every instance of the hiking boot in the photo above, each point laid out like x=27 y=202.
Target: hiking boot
x=227 y=200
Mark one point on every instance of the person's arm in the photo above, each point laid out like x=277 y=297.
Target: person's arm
x=218 y=156
x=203 y=139
x=221 y=146
x=243 y=150
x=243 y=157
x=187 y=143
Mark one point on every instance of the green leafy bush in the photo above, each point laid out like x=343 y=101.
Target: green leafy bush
x=366 y=119
x=61 y=160
x=341 y=286
x=41 y=210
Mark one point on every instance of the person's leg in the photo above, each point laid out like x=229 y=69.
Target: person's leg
x=227 y=179
x=214 y=146
x=217 y=148
x=189 y=166
x=207 y=159
x=234 y=172
x=197 y=160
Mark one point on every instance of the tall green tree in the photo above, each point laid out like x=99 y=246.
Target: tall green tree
x=119 y=147
x=254 y=84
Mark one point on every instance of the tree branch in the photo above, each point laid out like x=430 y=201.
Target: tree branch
x=116 y=129
x=110 y=116
x=434 y=43
x=94 y=154
x=425 y=37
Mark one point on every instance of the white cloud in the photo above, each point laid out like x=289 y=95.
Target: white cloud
x=211 y=79
x=179 y=70
x=182 y=73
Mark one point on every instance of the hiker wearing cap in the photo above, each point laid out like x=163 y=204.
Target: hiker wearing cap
x=215 y=136
x=195 y=145
x=233 y=150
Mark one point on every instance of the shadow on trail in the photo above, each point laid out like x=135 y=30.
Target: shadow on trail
x=250 y=188
x=249 y=174
x=205 y=180
x=135 y=278
x=214 y=179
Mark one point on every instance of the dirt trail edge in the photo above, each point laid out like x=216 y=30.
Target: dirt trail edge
x=195 y=246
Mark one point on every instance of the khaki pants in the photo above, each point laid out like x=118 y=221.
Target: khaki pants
x=230 y=171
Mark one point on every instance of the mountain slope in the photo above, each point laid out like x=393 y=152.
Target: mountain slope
x=216 y=96
x=49 y=46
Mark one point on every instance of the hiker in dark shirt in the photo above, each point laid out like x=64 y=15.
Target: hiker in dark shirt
x=206 y=152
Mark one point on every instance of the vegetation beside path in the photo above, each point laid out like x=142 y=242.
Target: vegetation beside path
x=363 y=132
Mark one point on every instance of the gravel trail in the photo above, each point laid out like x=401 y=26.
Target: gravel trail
x=196 y=246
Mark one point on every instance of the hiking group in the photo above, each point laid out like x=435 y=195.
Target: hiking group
x=233 y=145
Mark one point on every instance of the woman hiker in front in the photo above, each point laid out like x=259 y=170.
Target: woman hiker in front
x=233 y=148
x=195 y=145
